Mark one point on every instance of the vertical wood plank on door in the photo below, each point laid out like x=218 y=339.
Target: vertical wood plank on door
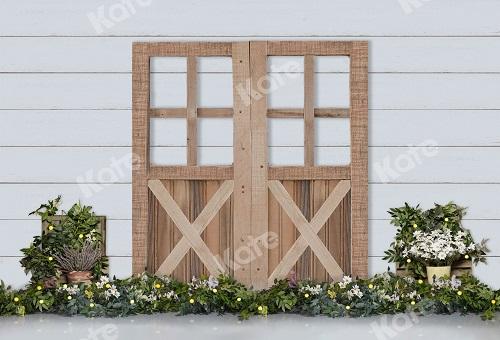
x=192 y=95
x=288 y=232
x=359 y=157
x=303 y=201
x=274 y=229
x=153 y=237
x=259 y=227
x=309 y=110
x=226 y=235
x=140 y=148
x=196 y=204
x=211 y=235
x=319 y=196
x=181 y=196
x=192 y=261
x=163 y=228
x=242 y=150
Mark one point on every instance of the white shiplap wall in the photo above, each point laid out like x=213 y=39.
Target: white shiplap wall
x=65 y=98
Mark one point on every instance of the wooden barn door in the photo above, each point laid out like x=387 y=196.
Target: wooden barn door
x=250 y=220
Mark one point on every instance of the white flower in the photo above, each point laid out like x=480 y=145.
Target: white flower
x=392 y=298
x=171 y=295
x=413 y=294
x=438 y=244
x=345 y=281
x=103 y=280
x=453 y=283
x=354 y=291
x=409 y=279
x=73 y=290
x=312 y=290
x=212 y=282
x=112 y=291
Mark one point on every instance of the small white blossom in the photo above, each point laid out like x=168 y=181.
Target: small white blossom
x=345 y=281
x=212 y=282
x=112 y=291
x=354 y=291
x=312 y=290
x=103 y=280
x=392 y=298
x=73 y=290
x=171 y=295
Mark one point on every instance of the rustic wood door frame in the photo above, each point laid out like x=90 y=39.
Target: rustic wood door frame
x=250 y=179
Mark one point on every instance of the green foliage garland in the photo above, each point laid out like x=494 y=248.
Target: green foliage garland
x=146 y=294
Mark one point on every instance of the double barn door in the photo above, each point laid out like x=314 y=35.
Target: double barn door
x=253 y=221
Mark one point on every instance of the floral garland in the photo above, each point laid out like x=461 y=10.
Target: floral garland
x=146 y=294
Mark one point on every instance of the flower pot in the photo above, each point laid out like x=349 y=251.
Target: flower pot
x=76 y=277
x=437 y=272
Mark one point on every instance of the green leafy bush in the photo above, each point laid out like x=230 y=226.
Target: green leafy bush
x=78 y=225
x=441 y=222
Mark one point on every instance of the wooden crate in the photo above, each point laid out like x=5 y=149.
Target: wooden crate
x=457 y=269
x=101 y=227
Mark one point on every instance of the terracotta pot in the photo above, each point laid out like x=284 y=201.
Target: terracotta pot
x=437 y=272
x=76 y=277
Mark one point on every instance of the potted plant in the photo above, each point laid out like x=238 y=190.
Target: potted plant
x=433 y=238
x=71 y=229
x=438 y=249
x=77 y=264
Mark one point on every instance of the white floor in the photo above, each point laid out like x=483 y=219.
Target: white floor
x=168 y=326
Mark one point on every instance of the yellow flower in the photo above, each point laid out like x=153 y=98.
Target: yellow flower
x=459 y=292
x=89 y=294
x=446 y=219
x=132 y=302
x=415 y=225
x=38 y=287
x=331 y=294
x=347 y=307
x=370 y=286
x=413 y=302
x=466 y=256
x=157 y=286
x=260 y=308
x=306 y=295
x=108 y=285
x=50 y=258
x=51 y=227
x=493 y=302
x=65 y=286
x=408 y=260
x=420 y=281
x=214 y=290
x=238 y=299
x=41 y=302
x=16 y=299
x=91 y=305
x=191 y=301
x=69 y=297
x=80 y=236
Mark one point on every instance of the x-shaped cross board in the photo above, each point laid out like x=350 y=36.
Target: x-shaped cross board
x=191 y=231
x=308 y=230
